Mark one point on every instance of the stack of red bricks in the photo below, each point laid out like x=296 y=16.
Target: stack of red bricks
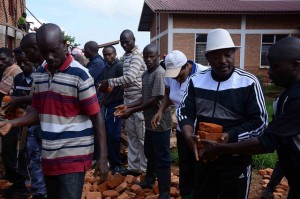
x=281 y=189
x=121 y=187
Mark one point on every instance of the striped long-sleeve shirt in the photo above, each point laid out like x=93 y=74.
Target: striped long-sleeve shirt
x=237 y=104
x=133 y=69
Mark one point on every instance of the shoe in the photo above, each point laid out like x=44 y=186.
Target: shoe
x=133 y=173
x=39 y=197
x=118 y=169
x=267 y=194
x=13 y=192
x=145 y=185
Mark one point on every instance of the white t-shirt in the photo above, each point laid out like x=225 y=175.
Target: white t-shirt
x=177 y=90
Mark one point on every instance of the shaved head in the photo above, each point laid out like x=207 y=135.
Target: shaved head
x=91 y=49
x=127 y=40
x=51 y=45
x=287 y=49
x=127 y=33
x=28 y=39
x=151 y=48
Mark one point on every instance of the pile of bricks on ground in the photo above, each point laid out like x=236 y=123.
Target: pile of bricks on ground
x=281 y=189
x=121 y=187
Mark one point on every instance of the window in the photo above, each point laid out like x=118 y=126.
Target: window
x=200 y=46
x=266 y=42
x=11 y=8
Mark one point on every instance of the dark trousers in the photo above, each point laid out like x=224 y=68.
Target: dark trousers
x=66 y=186
x=218 y=182
x=157 y=152
x=186 y=165
x=113 y=131
x=15 y=167
x=34 y=156
x=276 y=176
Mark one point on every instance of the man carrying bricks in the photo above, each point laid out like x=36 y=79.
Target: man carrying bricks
x=65 y=102
x=229 y=97
x=157 y=140
x=131 y=80
x=283 y=133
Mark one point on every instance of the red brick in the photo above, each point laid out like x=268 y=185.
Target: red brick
x=93 y=195
x=83 y=195
x=115 y=181
x=147 y=194
x=175 y=181
x=90 y=178
x=130 y=194
x=102 y=187
x=110 y=193
x=87 y=187
x=277 y=195
x=173 y=192
x=262 y=172
x=155 y=189
x=129 y=179
x=135 y=188
x=278 y=190
x=265 y=181
x=285 y=185
x=267 y=177
x=121 y=187
x=269 y=171
x=123 y=196
x=152 y=197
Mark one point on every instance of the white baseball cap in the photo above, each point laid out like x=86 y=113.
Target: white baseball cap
x=173 y=62
x=218 y=39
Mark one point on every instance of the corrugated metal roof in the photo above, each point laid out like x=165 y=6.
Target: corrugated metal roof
x=215 y=7
x=242 y=6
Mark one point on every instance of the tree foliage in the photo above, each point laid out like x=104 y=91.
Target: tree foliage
x=70 y=39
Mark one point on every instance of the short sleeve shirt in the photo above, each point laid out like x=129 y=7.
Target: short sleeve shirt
x=153 y=85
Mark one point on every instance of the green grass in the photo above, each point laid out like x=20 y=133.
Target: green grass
x=174 y=156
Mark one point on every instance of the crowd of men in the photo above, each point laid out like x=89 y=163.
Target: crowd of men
x=74 y=115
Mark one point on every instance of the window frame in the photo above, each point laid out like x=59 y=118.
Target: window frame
x=195 y=49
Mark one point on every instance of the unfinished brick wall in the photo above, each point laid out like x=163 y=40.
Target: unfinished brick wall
x=281 y=21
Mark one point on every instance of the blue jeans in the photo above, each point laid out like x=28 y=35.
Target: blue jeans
x=66 y=186
x=157 y=152
x=34 y=155
x=113 y=131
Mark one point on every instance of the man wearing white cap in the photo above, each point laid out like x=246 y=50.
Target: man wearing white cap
x=178 y=71
x=230 y=97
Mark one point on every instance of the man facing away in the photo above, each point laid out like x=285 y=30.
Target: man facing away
x=283 y=133
x=133 y=69
x=232 y=98
x=65 y=101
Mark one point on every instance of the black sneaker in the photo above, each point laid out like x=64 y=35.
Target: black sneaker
x=145 y=185
x=118 y=169
x=130 y=172
x=267 y=193
x=39 y=197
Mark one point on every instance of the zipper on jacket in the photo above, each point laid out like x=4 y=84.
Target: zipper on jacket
x=215 y=104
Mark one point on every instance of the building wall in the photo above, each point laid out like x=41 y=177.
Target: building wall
x=206 y=21
x=185 y=43
x=163 y=21
x=163 y=45
x=237 y=41
x=8 y=26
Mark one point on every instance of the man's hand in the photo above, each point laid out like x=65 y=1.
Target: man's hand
x=101 y=169
x=103 y=86
x=224 y=138
x=125 y=114
x=5 y=127
x=156 y=120
x=120 y=109
x=192 y=143
x=210 y=150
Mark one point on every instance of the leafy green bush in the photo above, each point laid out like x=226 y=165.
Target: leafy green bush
x=174 y=156
x=263 y=161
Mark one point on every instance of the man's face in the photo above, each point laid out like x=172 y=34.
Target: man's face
x=221 y=61
x=53 y=53
x=150 y=59
x=87 y=52
x=127 y=42
x=5 y=61
x=31 y=52
x=109 y=55
x=25 y=64
x=281 y=72
x=183 y=74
